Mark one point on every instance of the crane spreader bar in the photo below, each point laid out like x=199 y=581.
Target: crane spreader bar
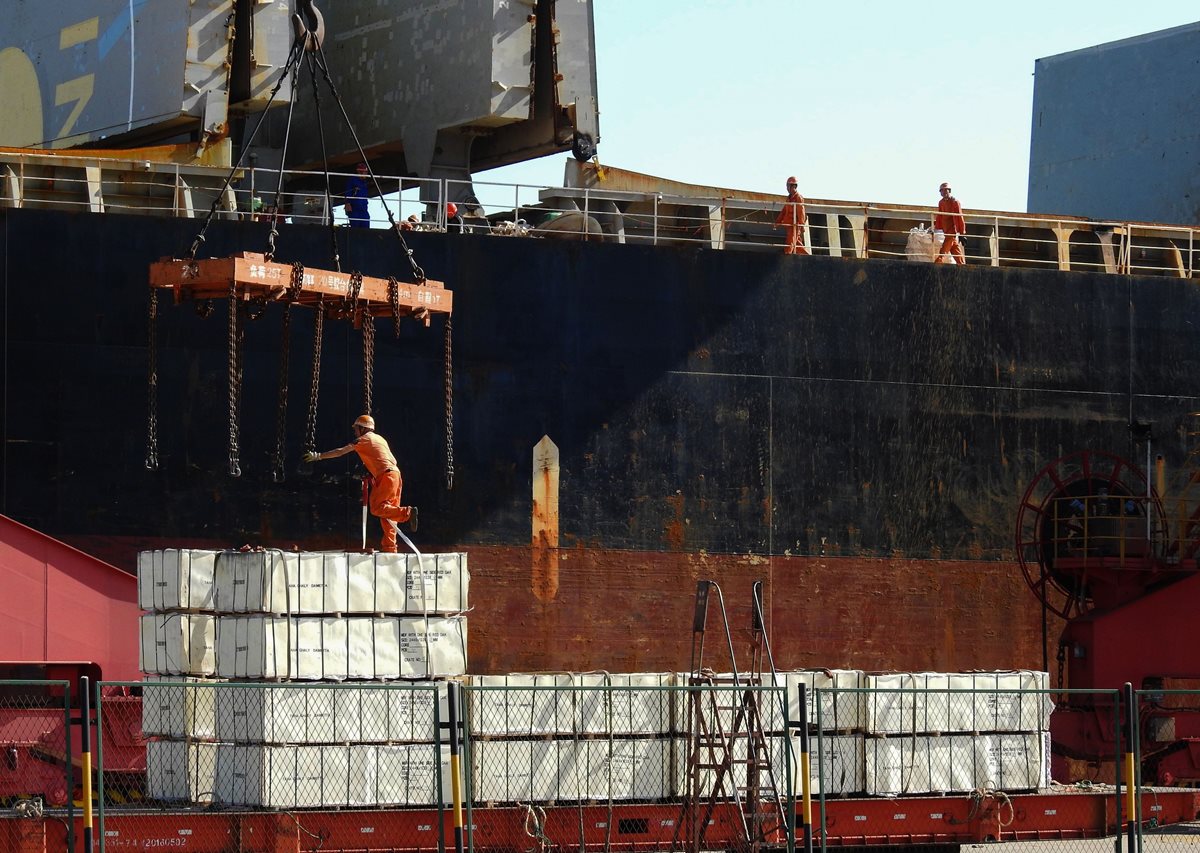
x=256 y=278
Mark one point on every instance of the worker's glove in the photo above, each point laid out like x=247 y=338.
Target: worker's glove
x=311 y=456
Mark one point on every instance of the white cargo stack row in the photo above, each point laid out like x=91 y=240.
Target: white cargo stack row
x=563 y=704
x=517 y=704
x=922 y=764
x=305 y=648
x=181 y=771
x=634 y=769
x=616 y=703
x=315 y=714
x=330 y=776
x=177 y=579
x=926 y=702
x=304 y=583
x=178 y=644
x=178 y=706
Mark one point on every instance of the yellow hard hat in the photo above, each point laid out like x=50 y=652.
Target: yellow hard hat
x=365 y=421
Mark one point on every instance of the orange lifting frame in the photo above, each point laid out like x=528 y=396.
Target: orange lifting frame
x=257 y=277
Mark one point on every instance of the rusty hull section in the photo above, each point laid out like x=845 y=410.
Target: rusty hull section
x=631 y=611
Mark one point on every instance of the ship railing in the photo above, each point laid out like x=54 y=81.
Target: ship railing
x=88 y=183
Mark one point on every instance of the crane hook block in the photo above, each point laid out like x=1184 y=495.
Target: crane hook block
x=309 y=24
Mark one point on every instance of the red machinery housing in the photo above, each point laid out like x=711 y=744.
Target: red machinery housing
x=1096 y=548
x=60 y=604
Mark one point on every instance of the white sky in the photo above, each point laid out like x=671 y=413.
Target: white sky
x=869 y=101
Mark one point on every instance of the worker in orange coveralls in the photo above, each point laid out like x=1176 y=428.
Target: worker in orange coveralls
x=793 y=217
x=949 y=221
x=386 y=482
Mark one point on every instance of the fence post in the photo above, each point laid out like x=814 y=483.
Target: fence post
x=68 y=771
x=85 y=688
x=455 y=773
x=805 y=774
x=1129 y=771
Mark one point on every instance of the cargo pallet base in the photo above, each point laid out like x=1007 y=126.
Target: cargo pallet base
x=904 y=822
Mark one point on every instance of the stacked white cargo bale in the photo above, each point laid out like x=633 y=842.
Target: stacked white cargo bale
x=564 y=737
x=309 y=617
x=938 y=732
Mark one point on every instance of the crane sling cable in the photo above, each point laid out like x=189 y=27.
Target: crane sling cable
x=257 y=278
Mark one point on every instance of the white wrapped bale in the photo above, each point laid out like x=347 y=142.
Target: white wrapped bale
x=180 y=771
x=179 y=707
x=842 y=702
x=935 y=702
x=399 y=775
x=433 y=648
x=1016 y=701
x=282 y=582
x=406 y=583
x=282 y=777
x=923 y=764
x=176 y=579
x=520 y=704
x=617 y=703
x=178 y=644
x=326 y=648
x=636 y=769
x=525 y=770
x=317 y=713
x=436 y=583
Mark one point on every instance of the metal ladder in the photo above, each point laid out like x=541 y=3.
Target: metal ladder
x=728 y=755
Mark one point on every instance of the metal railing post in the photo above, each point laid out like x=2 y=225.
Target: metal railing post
x=86 y=760
x=655 y=219
x=68 y=770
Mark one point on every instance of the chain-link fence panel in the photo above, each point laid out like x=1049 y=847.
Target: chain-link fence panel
x=1167 y=755
x=940 y=758
x=324 y=763
x=37 y=778
x=625 y=761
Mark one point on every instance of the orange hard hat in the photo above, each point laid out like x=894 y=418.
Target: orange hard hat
x=945 y=186
x=451 y=209
x=792 y=180
x=362 y=167
x=365 y=421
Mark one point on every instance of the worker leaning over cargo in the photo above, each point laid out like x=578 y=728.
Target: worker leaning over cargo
x=950 y=222
x=386 y=483
x=794 y=217
x=356 y=198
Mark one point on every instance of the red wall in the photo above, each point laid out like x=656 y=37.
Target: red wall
x=57 y=603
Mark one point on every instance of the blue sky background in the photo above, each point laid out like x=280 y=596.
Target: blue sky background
x=868 y=101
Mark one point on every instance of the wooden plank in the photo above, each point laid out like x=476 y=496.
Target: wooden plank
x=256 y=277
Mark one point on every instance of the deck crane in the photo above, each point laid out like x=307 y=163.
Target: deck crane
x=1118 y=563
x=253 y=281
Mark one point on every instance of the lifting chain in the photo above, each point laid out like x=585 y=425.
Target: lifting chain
x=368 y=333
x=152 y=387
x=277 y=471
x=353 y=292
x=394 y=299
x=310 y=429
x=290 y=296
x=449 y=388
x=235 y=468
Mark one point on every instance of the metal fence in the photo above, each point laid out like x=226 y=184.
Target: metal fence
x=837 y=229
x=602 y=762
x=37 y=779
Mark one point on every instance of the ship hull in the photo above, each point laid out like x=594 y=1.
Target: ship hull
x=858 y=434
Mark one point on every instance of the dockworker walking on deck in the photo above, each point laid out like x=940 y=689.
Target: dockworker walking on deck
x=794 y=217
x=386 y=482
x=357 y=192
x=950 y=222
